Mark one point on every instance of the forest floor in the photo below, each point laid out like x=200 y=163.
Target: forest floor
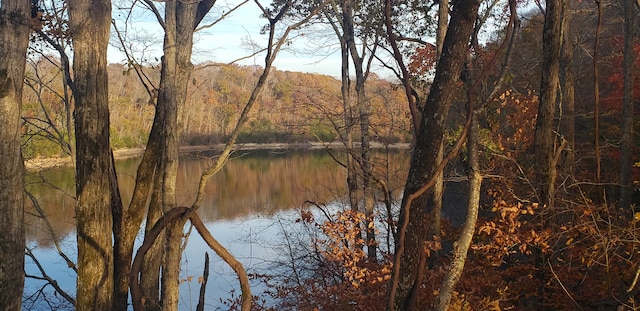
x=39 y=164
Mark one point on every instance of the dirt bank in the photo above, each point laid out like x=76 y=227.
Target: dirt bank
x=35 y=165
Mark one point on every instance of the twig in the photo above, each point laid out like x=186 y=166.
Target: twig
x=635 y=280
x=562 y=285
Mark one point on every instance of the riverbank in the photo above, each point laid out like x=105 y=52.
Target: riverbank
x=35 y=165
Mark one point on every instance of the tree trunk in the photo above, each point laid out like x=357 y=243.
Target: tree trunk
x=181 y=18
x=90 y=23
x=14 y=40
x=568 y=90
x=596 y=100
x=345 y=88
x=414 y=214
x=473 y=204
x=364 y=112
x=127 y=221
x=176 y=69
x=630 y=28
x=151 y=267
x=438 y=187
x=367 y=167
x=544 y=137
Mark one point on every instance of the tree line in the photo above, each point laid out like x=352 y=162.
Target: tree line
x=294 y=108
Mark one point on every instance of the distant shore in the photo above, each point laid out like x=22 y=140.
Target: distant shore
x=35 y=165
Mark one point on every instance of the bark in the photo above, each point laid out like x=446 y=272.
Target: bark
x=630 y=26
x=14 y=39
x=544 y=136
x=89 y=22
x=443 y=19
x=414 y=213
x=568 y=90
x=203 y=285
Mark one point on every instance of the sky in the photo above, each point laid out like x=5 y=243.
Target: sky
x=227 y=41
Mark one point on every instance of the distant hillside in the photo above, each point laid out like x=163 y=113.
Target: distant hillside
x=293 y=107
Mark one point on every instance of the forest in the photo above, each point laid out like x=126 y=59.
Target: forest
x=526 y=108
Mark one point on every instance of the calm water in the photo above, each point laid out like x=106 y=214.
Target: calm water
x=249 y=204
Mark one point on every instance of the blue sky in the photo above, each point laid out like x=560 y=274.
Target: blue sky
x=226 y=41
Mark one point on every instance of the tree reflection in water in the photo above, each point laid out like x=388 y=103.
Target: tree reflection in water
x=242 y=201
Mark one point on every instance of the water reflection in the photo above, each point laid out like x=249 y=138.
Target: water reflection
x=256 y=182
x=247 y=206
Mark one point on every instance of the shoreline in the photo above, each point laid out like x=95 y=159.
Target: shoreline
x=36 y=165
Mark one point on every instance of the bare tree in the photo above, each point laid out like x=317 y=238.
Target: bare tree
x=568 y=89
x=349 y=32
x=15 y=21
x=545 y=151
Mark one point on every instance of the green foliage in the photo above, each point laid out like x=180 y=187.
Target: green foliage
x=323 y=133
x=259 y=131
x=119 y=142
x=37 y=146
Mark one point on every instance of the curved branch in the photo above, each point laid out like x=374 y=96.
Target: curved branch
x=155 y=11
x=178 y=215
x=227 y=257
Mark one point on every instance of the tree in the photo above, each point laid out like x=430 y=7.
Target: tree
x=415 y=212
x=438 y=188
x=90 y=22
x=596 y=99
x=568 y=89
x=358 y=19
x=626 y=163
x=544 y=137
x=180 y=21
x=157 y=171
x=15 y=21
x=476 y=103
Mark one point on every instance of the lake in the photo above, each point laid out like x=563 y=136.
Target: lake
x=249 y=205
